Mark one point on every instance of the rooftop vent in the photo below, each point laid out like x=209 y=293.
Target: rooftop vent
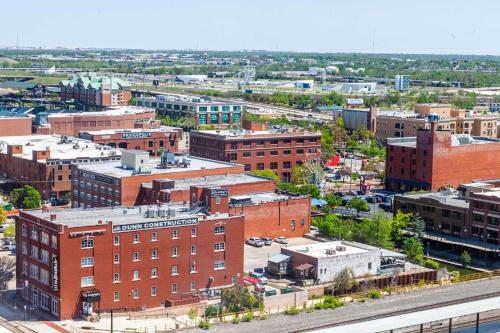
x=331 y=252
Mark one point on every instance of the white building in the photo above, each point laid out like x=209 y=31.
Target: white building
x=191 y=78
x=402 y=82
x=353 y=87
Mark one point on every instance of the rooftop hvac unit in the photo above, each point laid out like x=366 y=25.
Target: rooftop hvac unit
x=162 y=213
x=150 y=213
x=171 y=212
x=341 y=248
x=331 y=252
x=167 y=158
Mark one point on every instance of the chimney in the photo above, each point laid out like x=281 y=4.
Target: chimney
x=53 y=216
x=44 y=209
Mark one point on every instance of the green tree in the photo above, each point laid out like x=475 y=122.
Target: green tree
x=414 y=250
x=267 y=173
x=464 y=101
x=10 y=231
x=26 y=197
x=358 y=204
x=418 y=226
x=311 y=190
x=344 y=281
x=400 y=221
x=237 y=298
x=332 y=200
x=3 y=215
x=466 y=259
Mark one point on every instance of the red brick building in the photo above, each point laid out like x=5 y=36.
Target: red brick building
x=267 y=213
x=114 y=118
x=80 y=262
x=278 y=149
x=44 y=161
x=436 y=159
x=95 y=90
x=14 y=125
x=151 y=140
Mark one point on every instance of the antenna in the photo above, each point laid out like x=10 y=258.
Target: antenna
x=17 y=45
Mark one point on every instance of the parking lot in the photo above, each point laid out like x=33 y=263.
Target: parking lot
x=257 y=256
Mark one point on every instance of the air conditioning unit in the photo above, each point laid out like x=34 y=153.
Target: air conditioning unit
x=341 y=248
x=331 y=252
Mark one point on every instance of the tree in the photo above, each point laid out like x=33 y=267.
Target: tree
x=3 y=215
x=344 y=281
x=466 y=259
x=332 y=200
x=26 y=197
x=237 y=298
x=358 y=204
x=10 y=231
x=374 y=231
x=399 y=222
x=311 y=190
x=414 y=250
x=418 y=226
x=7 y=269
x=464 y=101
x=267 y=173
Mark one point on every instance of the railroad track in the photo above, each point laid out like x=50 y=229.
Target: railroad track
x=406 y=311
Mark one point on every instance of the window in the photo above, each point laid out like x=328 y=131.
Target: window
x=287 y=165
x=273 y=165
x=116 y=258
x=44 y=301
x=135 y=275
x=154 y=254
x=116 y=296
x=175 y=252
x=174 y=270
x=24 y=230
x=292 y=225
x=116 y=240
x=174 y=288
x=44 y=238
x=193 y=285
x=193 y=232
x=154 y=272
x=44 y=256
x=153 y=291
x=24 y=248
x=274 y=152
x=247 y=154
x=219 y=264
x=217 y=200
x=34 y=251
x=219 y=230
x=135 y=293
x=136 y=256
x=219 y=247
x=260 y=142
x=87 y=262
x=87 y=243
x=260 y=154
x=287 y=152
x=154 y=236
x=234 y=279
x=248 y=167
x=175 y=234
x=260 y=166
x=55 y=305
x=34 y=271
x=87 y=281
x=369 y=265
x=274 y=142
x=135 y=238
x=193 y=249
x=34 y=233
x=116 y=277
x=44 y=276
x=193 y=268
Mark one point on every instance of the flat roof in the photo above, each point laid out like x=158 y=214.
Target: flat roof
x=209 y=181
x=114 y=168
x=246 y=134
x=111 y=111
x=165 y=129
x=318 y=250
x=438 y=196
x=83 y=217
x=72 y=148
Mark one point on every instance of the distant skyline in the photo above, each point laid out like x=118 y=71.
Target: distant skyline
x=364 y=26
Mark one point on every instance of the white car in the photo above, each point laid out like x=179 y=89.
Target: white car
x=255 y=241
x=281 y=240
x=259 y=276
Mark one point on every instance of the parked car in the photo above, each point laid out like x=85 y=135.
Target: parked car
x=281 y=240
x=267 y=240
x=260 y=277
x=260 y=288
x=255 y=241
x=9 y=246
x=59 y=202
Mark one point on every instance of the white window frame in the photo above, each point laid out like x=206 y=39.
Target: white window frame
x=219 y=247
x=87 y=262
x=87 y=281
x=219 y=265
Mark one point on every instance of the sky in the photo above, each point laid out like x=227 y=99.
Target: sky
x=368 y=26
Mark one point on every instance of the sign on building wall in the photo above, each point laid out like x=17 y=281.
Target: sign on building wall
x=156 y=224
x=219 y=192
x=136 y=135
x=55 y=273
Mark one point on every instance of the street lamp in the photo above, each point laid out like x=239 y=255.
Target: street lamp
x=25 y=307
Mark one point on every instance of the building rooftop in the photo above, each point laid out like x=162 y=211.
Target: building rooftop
x=442 y=197
x=212 y=181
x=95 y=82
x=247 y=134
x=151 y=166
x=165 y=129
x=319 y=250
x=456 y=140
x=111 y=111
x=192 y=100
x=68 y=148
x=80 y=217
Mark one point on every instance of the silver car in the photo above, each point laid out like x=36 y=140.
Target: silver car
x=255 y=241
x=281 y=240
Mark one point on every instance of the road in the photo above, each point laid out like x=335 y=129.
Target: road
x=361 y=311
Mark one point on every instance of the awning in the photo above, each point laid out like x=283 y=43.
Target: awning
x=276 y=259
x=90 y=296
x=318 y=202
x=387 y=253
x=304 y=267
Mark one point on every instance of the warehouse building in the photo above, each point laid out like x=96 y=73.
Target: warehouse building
x=76 y=262
x=14 y=124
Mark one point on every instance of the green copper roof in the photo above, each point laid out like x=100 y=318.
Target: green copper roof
x=95 y=82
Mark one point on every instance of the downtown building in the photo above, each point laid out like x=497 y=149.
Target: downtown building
x=93 y=90
x=259 y=147
x=76 y=262
x=152 y=140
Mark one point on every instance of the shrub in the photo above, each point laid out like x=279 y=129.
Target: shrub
x=421 y=283
x=433 y=264
x=204 y=325
x=331 y=302
x=211 y=311
x=247 y=317
x=374 y=294
x=455 y=276
x=263 y=317
x=292 y=311
x=236 y=320
x=192 y=313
